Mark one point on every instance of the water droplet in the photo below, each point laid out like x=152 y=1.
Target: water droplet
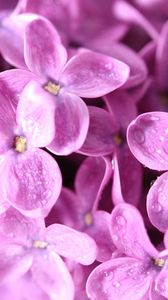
x=120 y=220
x=139 y=136
x=115 y=237
x=156 y=207
x=130 y=272
x=161 y=138
x=159 y=151
x=154 y=118
x=152 y=182
x=116 y=284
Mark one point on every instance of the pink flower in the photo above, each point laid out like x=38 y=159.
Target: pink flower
x=79 y=210
x=141 y=273
x=36 y=254
x=107 y=135
x=30 y=178
x=87 y=74
x=148 y=140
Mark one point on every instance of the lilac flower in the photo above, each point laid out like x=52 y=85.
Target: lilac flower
x=30 y=178
x=148 y=141
x=39 y=252
x=79 y=210
x=64 y=84
x=141 y=273
x=106 y=135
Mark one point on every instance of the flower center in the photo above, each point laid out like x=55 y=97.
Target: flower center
x=88 y=219
x=159 y=262
x=117 y=139
x=20 y=144
x=38 y=244
x=52 y=88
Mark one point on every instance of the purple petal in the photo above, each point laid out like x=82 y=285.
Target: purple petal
x=91 y=178
x=14 y=262
x=71 y=124
x=100 y=138
x=126 y=12
x=161 y=57
x=32 y=182
x=157 y=206
x=12 y=36
x=166 y=239
x=35 y=117
x=131 y=185
x=153 y=295
x=121 y=107
x=137 y=93
x=90 y=74
x=51 y=274
x=117 y=196
x=107 y=37
x=161 y=283
x=122 y=278
x=129 y=234
x=70 y=243
x=66 y=210
x=155 y=6
x=44 y=54
x=12 y=83
x=138 y=68
x=16 y=226
x=148 y=139
x=7 y=122
x=100 y=232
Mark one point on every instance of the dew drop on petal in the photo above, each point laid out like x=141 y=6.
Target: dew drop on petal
x=139 y=136
x=130 y=272
x=120 y=220
x=116 y=284
x=156 y=207
x=154 y=118
x=114 y=237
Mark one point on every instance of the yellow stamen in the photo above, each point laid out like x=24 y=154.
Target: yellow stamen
x=117 y=140
x=20 y=144
x=52 y=88
x=40 y=244
x=88 y=219
x=159 y=262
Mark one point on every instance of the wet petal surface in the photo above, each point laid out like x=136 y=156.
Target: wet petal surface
x=157 y=206
x=119 y=279
x=70 y=243
x=51 y=274
x=35 y=115
x=71 y=124
x=44 y=54
x=128 y=237
x=148 y=139
x=35 y=182
x=90 y=74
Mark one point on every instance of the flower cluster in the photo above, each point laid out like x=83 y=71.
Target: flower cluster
x=84 y=150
